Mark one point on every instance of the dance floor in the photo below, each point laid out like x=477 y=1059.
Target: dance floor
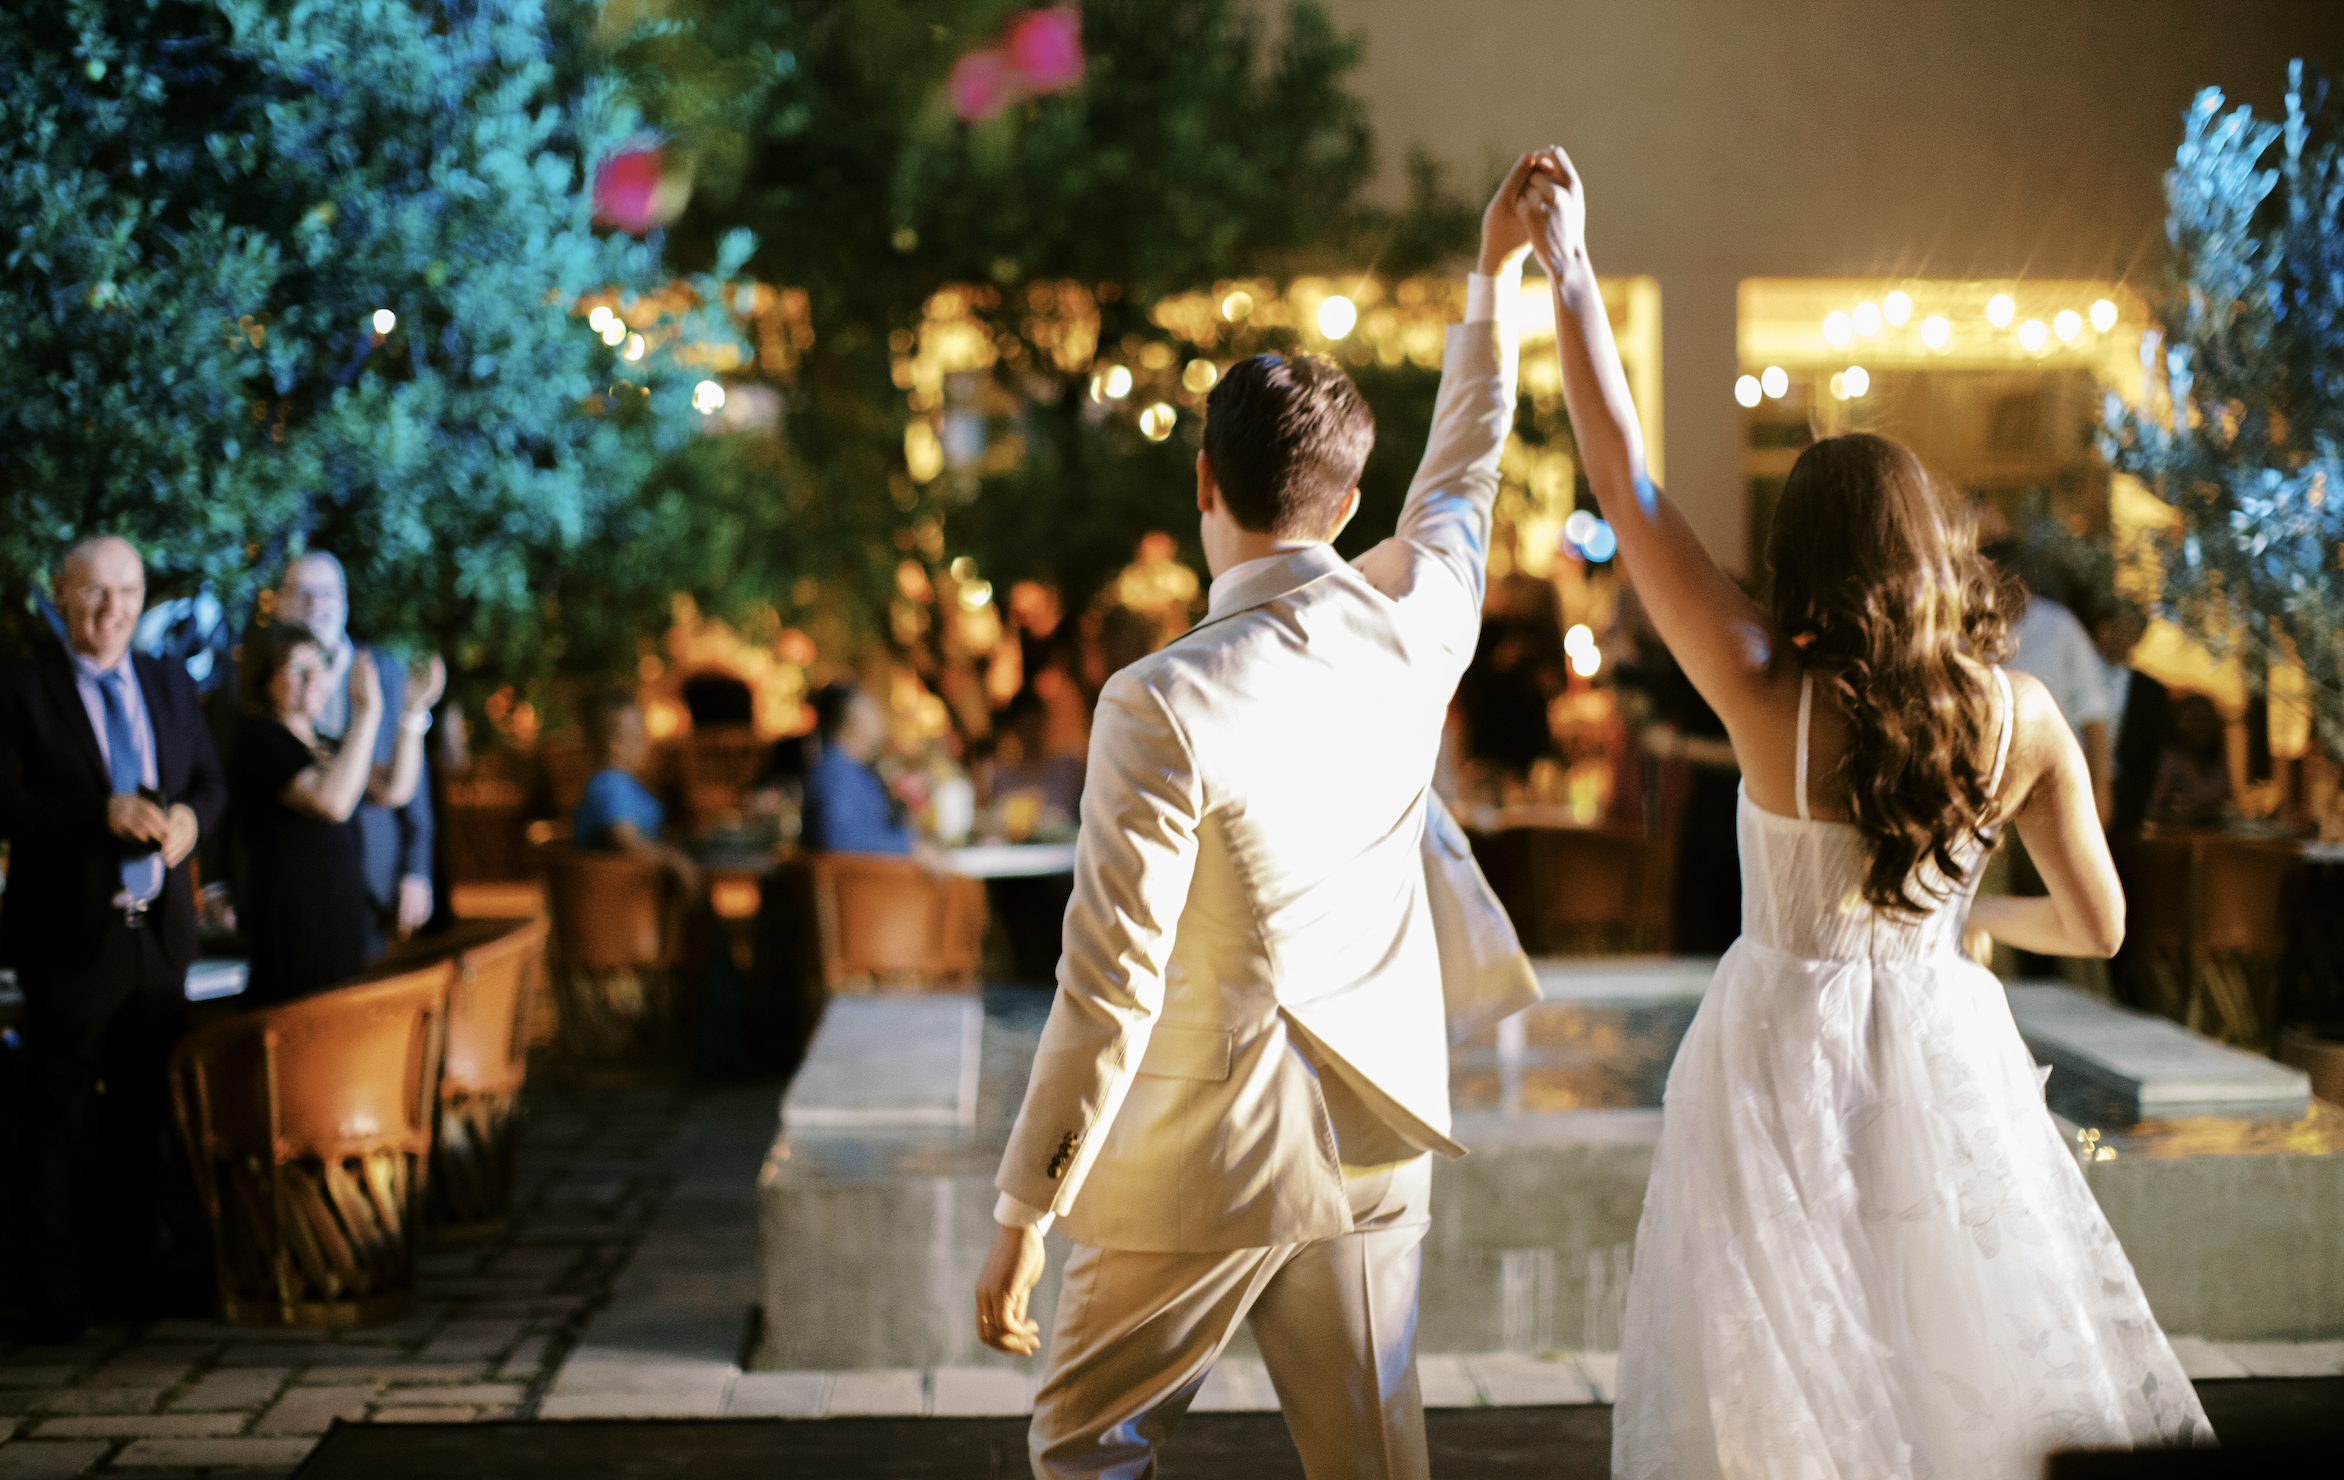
x=2263 y=1422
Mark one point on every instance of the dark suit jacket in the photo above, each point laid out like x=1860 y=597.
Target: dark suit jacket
x=64 y=866
x=396 y=840
x=2137 y=750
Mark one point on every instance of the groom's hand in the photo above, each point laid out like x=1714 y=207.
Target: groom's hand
x=1012 y=1269
x=1552 y=206
x=1504 y=236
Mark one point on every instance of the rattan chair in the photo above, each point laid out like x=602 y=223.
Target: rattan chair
x=883 y=923
x=309 y=1128
x=617 y=936
x=2206 y=932
x=1579 y=891
x=486 y=1062
x=718 y=766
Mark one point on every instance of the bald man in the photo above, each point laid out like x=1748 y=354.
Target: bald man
x=107 y=780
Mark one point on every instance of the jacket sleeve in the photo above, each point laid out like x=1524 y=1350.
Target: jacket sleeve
x=1447 y=514
x=1143 y=802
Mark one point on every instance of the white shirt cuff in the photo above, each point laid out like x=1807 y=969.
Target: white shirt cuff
x=1009 y=1212
x=1484 y=294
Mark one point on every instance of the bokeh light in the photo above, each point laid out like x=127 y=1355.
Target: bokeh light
x=1896 y=307
x=1579 y=526
x=1999 y=310
x=1199 y=375
x=707 y=397
x=1867 y=318
x=2103 y=315
x=1747 y=392
x=1157 y=421
x=1336 y=316
x=1837 y=330
x=1237 y=305
x=635 y=347
x=385 y=321
x=1601 y=544
x=2032 y=336
x=1936 y=331
x=2067 y=323
x=1857 y=379
x=1775 y=381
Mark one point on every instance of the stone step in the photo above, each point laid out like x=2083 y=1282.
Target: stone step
x=2112 y=1066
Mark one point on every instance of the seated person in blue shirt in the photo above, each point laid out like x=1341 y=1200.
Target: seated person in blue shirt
x=618 y=813
x=848 y=808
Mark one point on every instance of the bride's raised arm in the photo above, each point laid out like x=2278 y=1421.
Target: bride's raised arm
x=1725 y=643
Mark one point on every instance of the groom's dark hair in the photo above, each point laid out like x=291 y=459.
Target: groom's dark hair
x=1287 y=438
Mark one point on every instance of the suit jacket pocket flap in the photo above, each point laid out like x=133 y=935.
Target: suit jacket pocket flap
x=1187 y=1053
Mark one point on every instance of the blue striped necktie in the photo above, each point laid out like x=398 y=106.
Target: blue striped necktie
x=138 y=874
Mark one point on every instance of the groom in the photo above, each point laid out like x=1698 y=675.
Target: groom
x=1246 y=1065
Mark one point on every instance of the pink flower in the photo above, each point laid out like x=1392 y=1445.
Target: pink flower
x=624 y=188
x=981 y=86
x=1045 y=48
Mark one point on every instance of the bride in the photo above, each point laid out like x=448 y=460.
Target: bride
x=1865 y=1249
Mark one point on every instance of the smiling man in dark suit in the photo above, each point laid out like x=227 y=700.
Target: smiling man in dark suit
x=107 y=779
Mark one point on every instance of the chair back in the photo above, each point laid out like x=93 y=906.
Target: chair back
x=1578 y=891
x=880 y=919
x=610 y=910
x=719 y=764
x=488 y=1011
x=2160 y=893
x=2243 y=887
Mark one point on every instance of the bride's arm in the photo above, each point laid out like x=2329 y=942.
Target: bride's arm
x=1720 y=637
x=2083 y=914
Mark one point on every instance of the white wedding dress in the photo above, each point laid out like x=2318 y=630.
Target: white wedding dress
x=1866 y=1250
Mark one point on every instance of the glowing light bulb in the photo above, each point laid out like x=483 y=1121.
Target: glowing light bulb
x=635 y=347
x=1580 y=639
x=976 y=595
x=1336 y=316
x=1867 y=318
x=2032 y=336
x=1237 y=305
x=385 y=321
x=1857 y=380
x=1775 y=381
x=1936 y=331
x=1200 y=375
x=600 y=319
x=614 y=331
x=707 y=397
x=1156 y=422
x=1836 y=329
x=1747 y=392
x=2103 y=315
x=1116 y=384
x=2067 y=323
x=1896 y=308
x=1999 y=310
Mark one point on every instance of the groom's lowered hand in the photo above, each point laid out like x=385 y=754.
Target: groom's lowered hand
x=1012 y=1269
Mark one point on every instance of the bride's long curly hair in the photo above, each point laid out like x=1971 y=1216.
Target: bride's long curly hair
x=1879 y=591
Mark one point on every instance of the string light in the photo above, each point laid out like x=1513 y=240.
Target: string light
x=1111 y=384
x=1867 y=318
x=1837 y=330
x=708 y=397
x=2103 y=315
x=1199 y=375
x=1999 y=310
x=1936 y=332
x=385 y=321
x=2067 y=323
x=600 y=319
x=635 y=347
x=1237 y=305
x=1336 y=316
x=1747 y=392
x=1857 y=380
x=2032 y=336
x=1775 y=381
x=1156 y=422
x=1896 y=308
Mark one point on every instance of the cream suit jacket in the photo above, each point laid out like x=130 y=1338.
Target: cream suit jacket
x=1251 y=906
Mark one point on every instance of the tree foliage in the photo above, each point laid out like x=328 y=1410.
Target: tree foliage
x=210 y=200
x=2246 y=441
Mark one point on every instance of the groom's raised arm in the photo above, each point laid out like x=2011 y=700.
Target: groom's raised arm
x=1446 y=520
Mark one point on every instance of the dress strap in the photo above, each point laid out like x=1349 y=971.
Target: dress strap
x=2001 y=745
x=1806 y=703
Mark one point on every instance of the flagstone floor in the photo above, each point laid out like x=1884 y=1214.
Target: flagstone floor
x=626 y=1287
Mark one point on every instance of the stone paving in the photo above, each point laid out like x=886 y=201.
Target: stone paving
x=623 y=1289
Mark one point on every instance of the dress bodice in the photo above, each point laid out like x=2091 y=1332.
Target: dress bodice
x=1803 y=878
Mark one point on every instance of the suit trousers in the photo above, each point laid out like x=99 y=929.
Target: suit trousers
x=97 y=1043
x=1334 y=1319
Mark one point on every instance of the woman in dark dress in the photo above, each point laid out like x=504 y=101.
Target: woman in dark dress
x=305 y=912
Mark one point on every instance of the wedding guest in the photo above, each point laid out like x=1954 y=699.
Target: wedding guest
x=2140 y=720
x=1024 y=766
x=848 y=809
x=307 y=915
x=2193 y=775
x=107 y=779
x=2049 y=641
x=618 y=813
x=394 y=836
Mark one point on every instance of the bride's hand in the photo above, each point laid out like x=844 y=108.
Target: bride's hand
x=1553 y=207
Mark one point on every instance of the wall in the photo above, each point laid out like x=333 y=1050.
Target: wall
x=1724 y=139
